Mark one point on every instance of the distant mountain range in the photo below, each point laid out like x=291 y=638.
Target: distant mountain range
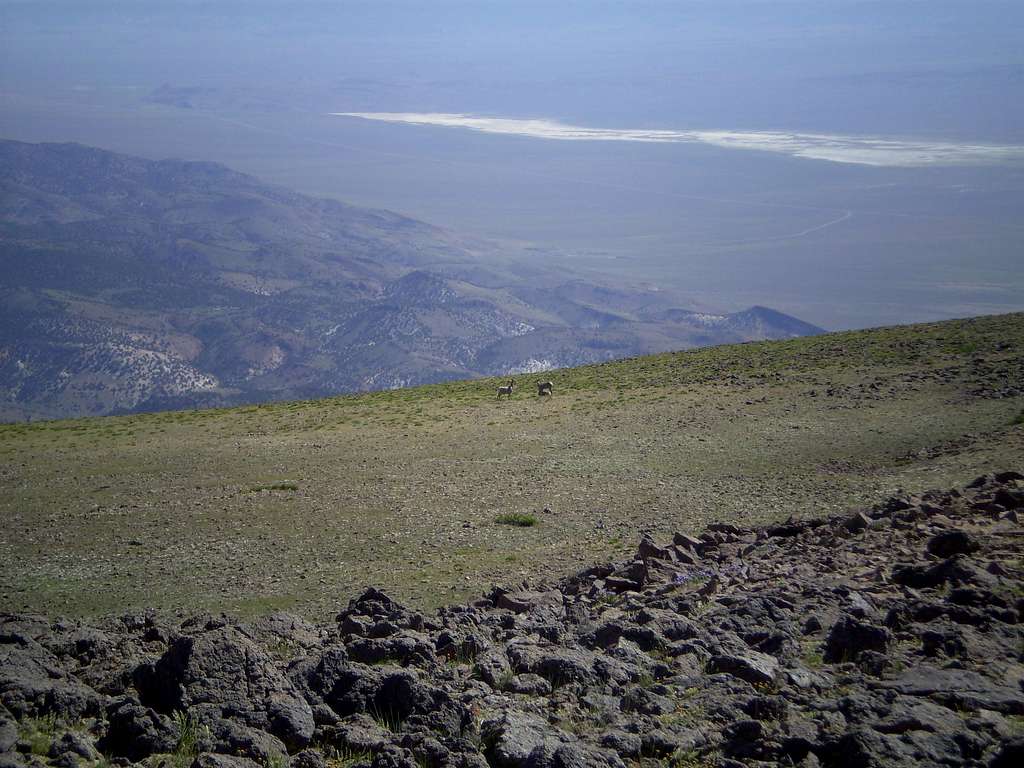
x=129 y=284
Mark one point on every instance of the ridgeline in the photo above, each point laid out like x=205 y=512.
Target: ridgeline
x=300 y=505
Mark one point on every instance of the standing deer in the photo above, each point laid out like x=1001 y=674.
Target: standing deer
x=508 y=389
x=544 y=388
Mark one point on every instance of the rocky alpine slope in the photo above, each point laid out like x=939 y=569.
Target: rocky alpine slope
x=888 y=638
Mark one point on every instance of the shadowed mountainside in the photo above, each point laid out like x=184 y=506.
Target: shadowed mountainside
x=131 y=284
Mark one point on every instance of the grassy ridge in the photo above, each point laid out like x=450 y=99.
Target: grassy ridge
x=298 y=504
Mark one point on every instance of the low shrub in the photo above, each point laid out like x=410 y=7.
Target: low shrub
x=518 y=519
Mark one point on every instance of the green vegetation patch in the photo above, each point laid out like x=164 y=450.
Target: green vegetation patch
x=517 y=519
x=39 y=732
x=191 y=734
x=285 y=486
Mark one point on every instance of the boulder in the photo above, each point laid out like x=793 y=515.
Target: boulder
x=228 y=669
x=558 y=665
x=746 y=740
x=529 y=685
x=511 y=737
x=33 y=682
x=691 y=543
x=357 y=733
x=211 y=760
x=850 y=636
x=524 y=601
x=859 y=748
x=405 y=647
x=955 y=542
x=648 y=550
x=74 y=743
x=669 y=624
x=956 y=570
x=380 y=610
x=391 y=694
x=956 y=688
x=623 y=743
x=235 y=738
x=662 y=743
x=756 y=668
x=646 y=702
x=492 y=667
x=8 y=735
x=135 y=732
x=281 y=627
x=308 y=758
x=1010 y=754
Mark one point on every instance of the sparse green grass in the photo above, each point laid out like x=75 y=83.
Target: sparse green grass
x=813 y=659
x=388 y=719
x=283 y=649
x=191 y=733
x=517 y=519
x=660 y=444
x=285 y=486
x=644 y=680
x=39 y=732
x=685 y=715
x=691 y=758
x=573 y=721
x=812 y=656
x=1018 y=419
x=461 y=657
x=505 y=680
x=346 y=758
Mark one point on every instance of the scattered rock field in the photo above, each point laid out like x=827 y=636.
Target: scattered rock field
x=889 y=638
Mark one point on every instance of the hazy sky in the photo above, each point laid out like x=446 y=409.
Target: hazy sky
x=254 y=84
x=934 y=67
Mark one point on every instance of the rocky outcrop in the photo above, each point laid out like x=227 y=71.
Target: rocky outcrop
x=887 y=638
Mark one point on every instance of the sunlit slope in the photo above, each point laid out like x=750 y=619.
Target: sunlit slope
x=297 y=505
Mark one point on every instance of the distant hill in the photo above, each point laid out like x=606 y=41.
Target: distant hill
x=130 y=284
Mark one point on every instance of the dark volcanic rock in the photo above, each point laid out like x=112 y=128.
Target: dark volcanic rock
x=956 y=570
x=208 y=760
x=135 y=732
x=513 y=737
x=751 y=666
x=712 y=650
x=1011 y=754
x=35 y=682
x=226 y=669
x=958 y=688
x=8 y=735
x=951 y=543
x=850 y=637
